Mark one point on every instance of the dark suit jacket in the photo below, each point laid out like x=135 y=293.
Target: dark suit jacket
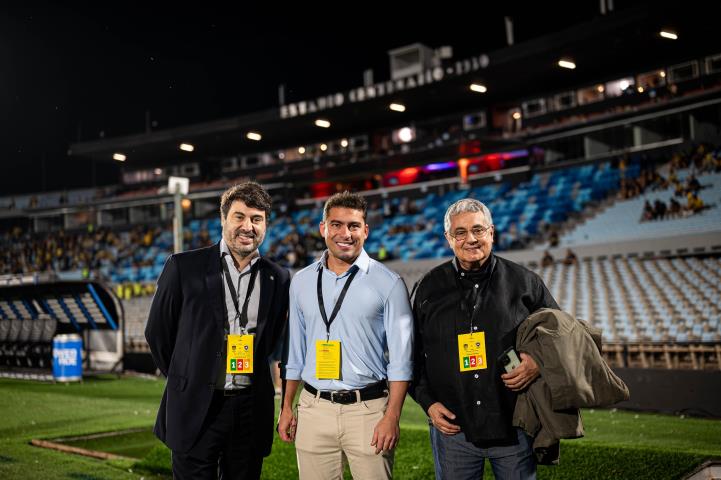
x=185 y=332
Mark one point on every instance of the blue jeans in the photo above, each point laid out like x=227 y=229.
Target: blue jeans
x=457 y=459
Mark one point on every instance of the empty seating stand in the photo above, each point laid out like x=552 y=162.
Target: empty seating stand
x=653 y=312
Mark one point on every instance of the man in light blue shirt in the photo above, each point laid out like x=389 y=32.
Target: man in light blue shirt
x=351 y=342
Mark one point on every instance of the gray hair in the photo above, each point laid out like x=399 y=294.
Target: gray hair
x=463 y=206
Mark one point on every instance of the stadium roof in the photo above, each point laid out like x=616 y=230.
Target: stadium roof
x=92 y=79
x=603 y=48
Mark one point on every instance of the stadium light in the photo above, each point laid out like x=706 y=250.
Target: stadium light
x=344 y=143
x=301 y=150
x=405 y=134
x=668 y=34
x=186 y=147
x=255 y=136
x=323 y=147
x=477 y=87
x=119 y=157
x=397 y=107
x=566 y=64
x=322 y=123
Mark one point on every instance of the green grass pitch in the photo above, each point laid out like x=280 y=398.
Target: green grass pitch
x=617 y=445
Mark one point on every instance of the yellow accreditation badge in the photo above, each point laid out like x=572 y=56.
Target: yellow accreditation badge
x=472 y=351
x=327 y=359
x=239 y=358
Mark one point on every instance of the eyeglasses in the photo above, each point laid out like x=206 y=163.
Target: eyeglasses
x=478 y=232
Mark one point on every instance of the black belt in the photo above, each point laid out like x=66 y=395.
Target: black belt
x=234 y=392
x=371 y=392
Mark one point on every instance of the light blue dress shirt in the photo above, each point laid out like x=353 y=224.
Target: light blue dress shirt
x=374 y=325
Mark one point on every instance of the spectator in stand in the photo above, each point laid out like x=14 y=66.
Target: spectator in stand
x=692 y=184
x=571 y=258
x=553 y=238
x=389 y=209
x=678 y=190
x=648 y=213
x=659 y=210
x=291 y=259
x=694 y=203
x=547 y=259
x=674 y=209
x=375 y=215
x=709 y=163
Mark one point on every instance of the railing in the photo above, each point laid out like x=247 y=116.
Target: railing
x=670 y=356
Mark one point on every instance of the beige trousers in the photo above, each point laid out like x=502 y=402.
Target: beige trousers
x=329 y=434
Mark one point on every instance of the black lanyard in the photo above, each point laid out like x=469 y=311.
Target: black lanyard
x=242 y=315
x=338 y=303
x=479 y=295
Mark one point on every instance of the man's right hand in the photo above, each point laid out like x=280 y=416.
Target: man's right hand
x=439 y=416
x=286 y=425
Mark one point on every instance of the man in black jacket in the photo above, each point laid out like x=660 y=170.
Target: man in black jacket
x=217 y=314
x=467 y=312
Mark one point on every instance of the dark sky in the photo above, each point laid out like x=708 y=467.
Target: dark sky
x=69 y=73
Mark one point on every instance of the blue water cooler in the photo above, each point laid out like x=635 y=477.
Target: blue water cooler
x=68 y=358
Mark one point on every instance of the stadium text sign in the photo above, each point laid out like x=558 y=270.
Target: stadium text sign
x=378 y=90
x=66 y=357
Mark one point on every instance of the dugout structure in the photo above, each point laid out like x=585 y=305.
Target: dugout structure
x=33 y=310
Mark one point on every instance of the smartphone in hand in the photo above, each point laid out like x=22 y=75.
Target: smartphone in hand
x=509 y=359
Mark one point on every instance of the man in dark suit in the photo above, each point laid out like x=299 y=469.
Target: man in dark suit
x=217 y=411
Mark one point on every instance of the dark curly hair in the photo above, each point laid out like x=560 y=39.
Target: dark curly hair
x=250 y=193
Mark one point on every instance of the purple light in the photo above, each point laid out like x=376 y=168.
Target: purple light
x=514 y=154
x=434 y=167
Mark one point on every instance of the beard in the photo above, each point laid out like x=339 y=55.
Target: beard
x=240 y=248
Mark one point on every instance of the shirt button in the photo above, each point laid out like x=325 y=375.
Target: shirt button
x=475 y=376
x=478 y=402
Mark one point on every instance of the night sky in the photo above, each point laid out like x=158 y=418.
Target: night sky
x=79 y=73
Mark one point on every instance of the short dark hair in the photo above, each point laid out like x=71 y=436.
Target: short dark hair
x=345 y=200
x=250 y=193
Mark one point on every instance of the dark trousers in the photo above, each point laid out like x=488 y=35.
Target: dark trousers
x=225 y=448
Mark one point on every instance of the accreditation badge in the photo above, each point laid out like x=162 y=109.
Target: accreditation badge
x=472 y=351
x=239 y=357
x=327 y=359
